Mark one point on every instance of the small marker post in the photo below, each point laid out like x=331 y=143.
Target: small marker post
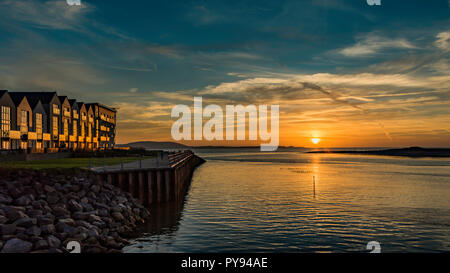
x=314 y=186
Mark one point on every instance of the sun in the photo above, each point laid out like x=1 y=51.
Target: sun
x=315 y=140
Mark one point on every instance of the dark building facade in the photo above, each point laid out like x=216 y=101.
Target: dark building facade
x=7 y=120
x=24 y=121
x=104 y=125
x=43 y=120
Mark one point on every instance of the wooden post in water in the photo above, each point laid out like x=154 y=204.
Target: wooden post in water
x=141 y=190
x=158 y=186
x=150 y=187
x=109 y=179
x=168 y=185
x=120 y=181
x=131 y=184
x=314 y=186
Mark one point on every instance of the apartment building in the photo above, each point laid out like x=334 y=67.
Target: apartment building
x=24 y=122
x=7 y=119
x=44 y=120
x=104 y=125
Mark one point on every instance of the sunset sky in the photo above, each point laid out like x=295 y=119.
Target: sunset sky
x=342 y=71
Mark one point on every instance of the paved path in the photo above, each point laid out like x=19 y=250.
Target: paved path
x=151 y=163
x=161 y=161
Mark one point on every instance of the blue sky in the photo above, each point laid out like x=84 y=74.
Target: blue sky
x=392 y=59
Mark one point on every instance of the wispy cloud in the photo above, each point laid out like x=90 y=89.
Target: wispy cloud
x=443 y=40
x=46 y=14
x=372 y=44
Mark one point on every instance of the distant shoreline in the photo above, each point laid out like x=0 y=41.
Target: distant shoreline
x=408 y=152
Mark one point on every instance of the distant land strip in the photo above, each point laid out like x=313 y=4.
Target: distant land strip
x=409 y=152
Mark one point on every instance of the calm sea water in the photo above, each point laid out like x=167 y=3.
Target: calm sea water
x=249 y=201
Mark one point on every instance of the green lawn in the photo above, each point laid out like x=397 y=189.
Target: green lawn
x=67 y=163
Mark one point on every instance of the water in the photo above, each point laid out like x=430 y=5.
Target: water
x=248 y=201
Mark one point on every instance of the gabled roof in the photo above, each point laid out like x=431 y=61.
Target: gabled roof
x=44 y=97
x=2 y=92
x=73 y=103
x=103 y=106
x=17 y=98
x=33 y=101
x=62 y=99
x=81 y=104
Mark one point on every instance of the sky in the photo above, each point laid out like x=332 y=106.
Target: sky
x=351 y=74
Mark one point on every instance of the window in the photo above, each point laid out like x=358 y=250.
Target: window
x=24 y=121
x=38 y=124
x=5 y=121
x=55 y=126
x=75 y=128
x=83 y=129
x=55 y=109
x=66 y=127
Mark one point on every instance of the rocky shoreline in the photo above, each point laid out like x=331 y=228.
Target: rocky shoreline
x=42 y=211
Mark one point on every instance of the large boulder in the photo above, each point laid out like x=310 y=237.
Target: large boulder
x=17 y=246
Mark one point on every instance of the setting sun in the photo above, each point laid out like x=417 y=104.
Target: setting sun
x=315 y=140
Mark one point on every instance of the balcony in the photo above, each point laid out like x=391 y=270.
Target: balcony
x=67 y=114
x=14 y=134
x=32 y=136
x=46 y=137
x=75 y=116
x=62 y=138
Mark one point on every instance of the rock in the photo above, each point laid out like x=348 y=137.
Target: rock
x=48 y=188
x=64 y=228
x=3 y=219
x=13 y=213
x=35 y=213
x=95 y=188
x=60 y=212
x=87 y=206
x=52 y=199
x=80 y=215
x=118 y=216
x=24 y=200
x=48 y=229
x=94 y=218
x=4 y=199
x=102 y=206
x=41 y=244
x=26 y=222
x=67 y=221
x=17 y=246
x=8 y=229
x=92 y=233
x=74 y=206
x=34 y=239
x=53 y=241
x=33 y=231
x=45 y=220
x=103 y=212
